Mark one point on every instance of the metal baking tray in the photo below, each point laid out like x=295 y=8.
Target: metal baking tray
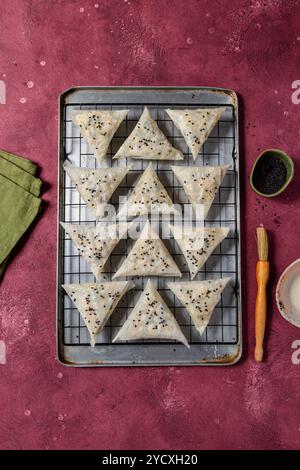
x=221 y=342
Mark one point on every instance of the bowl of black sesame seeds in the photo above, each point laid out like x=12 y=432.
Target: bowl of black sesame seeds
x=272 y=172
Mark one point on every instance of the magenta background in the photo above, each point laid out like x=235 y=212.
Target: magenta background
x=250 y=46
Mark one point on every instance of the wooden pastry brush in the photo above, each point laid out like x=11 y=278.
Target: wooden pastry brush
x=262 y=277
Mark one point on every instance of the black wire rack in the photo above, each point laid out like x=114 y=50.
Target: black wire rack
x=219 y=149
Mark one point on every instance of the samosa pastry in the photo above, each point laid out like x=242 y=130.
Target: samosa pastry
x=200 y=183
x=98 y=127
x=195 y=125
x=95 y=244
x=148 y=257
x=96 y=185
x=96 y=302
x=148 y=196
x=151 y=319
x=199 y=298
x=198 y=243
x=148 y=142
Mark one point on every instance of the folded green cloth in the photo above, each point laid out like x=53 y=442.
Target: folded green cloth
x=21 y=162
x=19 y=201
x=23 y=179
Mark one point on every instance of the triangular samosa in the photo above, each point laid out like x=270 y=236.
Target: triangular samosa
x=96 y=185
x=151 y=319
x=96 y=302
x=198 y=243
x=195 y=125
x=98 y=127
x=148 y=196
x=200 y=183
x=148 y=257
x=199 y=298
x=148 y=142
x=95 y=244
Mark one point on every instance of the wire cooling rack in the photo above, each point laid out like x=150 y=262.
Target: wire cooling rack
x=219 y=149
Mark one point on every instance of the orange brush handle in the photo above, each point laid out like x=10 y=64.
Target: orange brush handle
x=262 y=277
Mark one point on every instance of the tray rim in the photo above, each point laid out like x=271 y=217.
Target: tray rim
x=223 y=361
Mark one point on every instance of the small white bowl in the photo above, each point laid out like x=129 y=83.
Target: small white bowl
x=283 y=295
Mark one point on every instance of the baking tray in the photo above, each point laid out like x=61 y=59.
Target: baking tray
x=221 y=342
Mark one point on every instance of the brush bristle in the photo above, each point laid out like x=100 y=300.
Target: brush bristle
x=262 y=243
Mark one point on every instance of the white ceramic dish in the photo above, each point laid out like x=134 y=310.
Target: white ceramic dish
x=288 y=310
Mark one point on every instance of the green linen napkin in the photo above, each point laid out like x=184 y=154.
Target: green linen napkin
x=21 y=162
x=19 y=201
x=23 y=179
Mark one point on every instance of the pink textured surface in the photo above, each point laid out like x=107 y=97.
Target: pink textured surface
x=250 y=46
